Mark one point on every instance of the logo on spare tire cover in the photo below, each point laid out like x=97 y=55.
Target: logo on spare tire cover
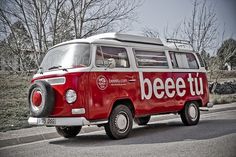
x=102 y=82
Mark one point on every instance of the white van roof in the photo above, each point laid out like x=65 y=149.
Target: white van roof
x=126 y=38
x=105 y=37
x=123 y=38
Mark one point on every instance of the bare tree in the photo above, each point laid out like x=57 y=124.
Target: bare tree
x=176 y=32
x=201 y=28
x=54 y=15
x=33 y=14
x=95 y=16
x=153 y=33
x=49 y=22
x=16 y=48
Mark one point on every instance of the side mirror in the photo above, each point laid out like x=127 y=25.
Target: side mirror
x=111 y=63
x=40 y=70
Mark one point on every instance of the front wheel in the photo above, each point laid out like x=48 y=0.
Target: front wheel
x=120 y=122
x=190 y=115
x=68 y=131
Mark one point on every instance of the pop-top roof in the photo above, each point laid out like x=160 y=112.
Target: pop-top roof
x=118 y=37
x=127 y=38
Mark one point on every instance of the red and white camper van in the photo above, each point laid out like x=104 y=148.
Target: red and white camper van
x=112 y=79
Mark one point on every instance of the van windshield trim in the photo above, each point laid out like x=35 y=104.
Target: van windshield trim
x=66 y=56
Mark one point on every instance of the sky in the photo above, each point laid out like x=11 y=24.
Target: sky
x=157 y=14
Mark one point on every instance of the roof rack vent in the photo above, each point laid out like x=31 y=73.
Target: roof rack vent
x=128 y=38
x=178 y=41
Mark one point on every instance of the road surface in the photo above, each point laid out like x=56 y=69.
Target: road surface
x=214 y=136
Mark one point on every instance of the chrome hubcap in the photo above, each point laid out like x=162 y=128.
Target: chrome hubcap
x=122 y=122
x=35 y=108
x=193 y=111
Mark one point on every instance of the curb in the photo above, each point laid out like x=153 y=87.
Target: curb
x=86 y=129
x=40 y=137
x=28 y=139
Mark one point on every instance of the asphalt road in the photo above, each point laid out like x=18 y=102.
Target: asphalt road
x=214 y=136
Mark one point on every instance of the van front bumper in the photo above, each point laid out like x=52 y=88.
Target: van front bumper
x=64 y=121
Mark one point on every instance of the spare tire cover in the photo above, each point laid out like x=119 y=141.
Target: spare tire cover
x=41 y=99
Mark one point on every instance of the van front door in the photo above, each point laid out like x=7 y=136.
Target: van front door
x=110 y=79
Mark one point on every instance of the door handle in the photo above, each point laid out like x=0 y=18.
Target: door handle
x=132 y=80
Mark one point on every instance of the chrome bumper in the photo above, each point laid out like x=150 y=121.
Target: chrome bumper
x=69 y=121
x=210 y=105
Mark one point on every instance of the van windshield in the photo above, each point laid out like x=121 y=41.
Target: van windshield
x=66 y=56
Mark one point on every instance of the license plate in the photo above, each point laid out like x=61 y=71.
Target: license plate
x=51 y=121
x=41 y=121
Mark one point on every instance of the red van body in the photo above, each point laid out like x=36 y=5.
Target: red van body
x=139 y=73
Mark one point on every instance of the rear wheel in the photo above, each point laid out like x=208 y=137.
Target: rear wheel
x=120 y=122
x=68 y=131
x=190 y=115
x=142 y=120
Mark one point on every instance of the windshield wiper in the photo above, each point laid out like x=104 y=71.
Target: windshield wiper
x=57 y=67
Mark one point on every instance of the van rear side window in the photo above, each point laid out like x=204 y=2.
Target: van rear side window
x=150 y=59
x=183 y=60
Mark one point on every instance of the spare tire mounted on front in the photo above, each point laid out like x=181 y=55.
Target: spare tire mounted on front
x=41 y=99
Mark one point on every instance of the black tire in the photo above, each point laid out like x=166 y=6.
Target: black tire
x=142 y=120
x=190 y=115
x=47 y=95
x=68 y=131
x=120 y=122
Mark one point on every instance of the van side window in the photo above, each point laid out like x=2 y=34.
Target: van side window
x=186 y=60
x=200 y=60
x=150 y=59
x=103 y=53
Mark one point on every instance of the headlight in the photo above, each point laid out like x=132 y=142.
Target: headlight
x=71 y=96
